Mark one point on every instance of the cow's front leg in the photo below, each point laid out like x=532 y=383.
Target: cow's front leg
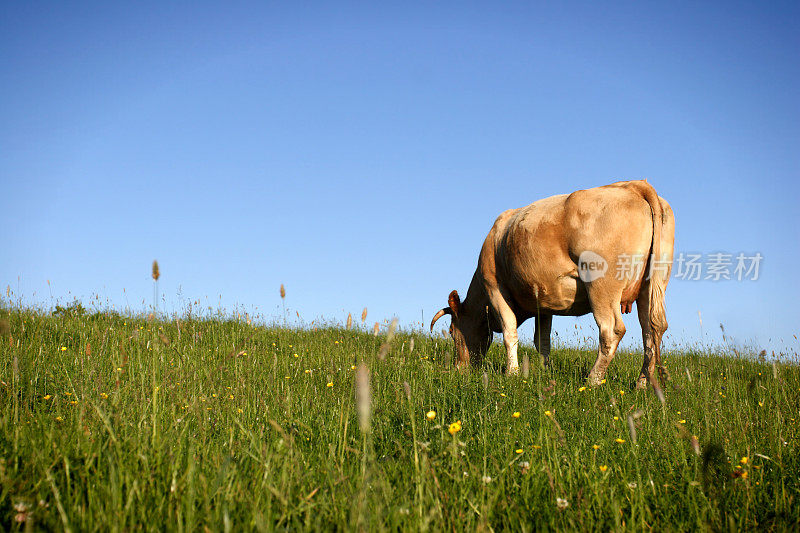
x=511 y=341
x=508 y=324
x=541 y=337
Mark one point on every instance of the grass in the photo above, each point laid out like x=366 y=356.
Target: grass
x=110 y=422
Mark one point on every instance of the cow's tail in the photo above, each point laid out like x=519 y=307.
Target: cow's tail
x=658 y=273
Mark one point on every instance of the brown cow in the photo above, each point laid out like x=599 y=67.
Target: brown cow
x=596 y=250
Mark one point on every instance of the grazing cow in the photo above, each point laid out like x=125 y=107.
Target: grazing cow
x=596 y=250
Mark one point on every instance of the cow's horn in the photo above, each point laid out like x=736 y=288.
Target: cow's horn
x=440 y=314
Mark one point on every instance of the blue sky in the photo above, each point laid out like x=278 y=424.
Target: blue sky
x=359 y=153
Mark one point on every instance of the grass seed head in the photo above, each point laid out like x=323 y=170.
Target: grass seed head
x=156 y=272
x=695 y=445
x=283 y=291
x=349 y=321
x=364 y=315
x=392 y=329
x=363 y=397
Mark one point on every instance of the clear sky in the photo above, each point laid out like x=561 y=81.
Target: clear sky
x=359 y=152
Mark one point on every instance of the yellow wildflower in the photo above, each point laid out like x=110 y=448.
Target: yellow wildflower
x=581 y=389
x=743 y=460
x=603 y=468
x=103 y=395
x=682 y=421
x=502 y=394
x=515 y=414
x=240 y=411
x=330 y=384
x=430 y=415
x=619 y=441
x=519 y=450
x=59 y=419
x=63 y=348
x=455 y=427
x=616 y=418
x=47 y=396
x=548 y=413
x=595 y=446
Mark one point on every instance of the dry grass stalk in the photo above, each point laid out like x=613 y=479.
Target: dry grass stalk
x=349 y=321
x=283 y=291
x=407 y=389
x=376 y=328
x=363 y=397
x=632 y=424
x=411 y=346
x=156 y=272
x=526 y=366
x=364 y=315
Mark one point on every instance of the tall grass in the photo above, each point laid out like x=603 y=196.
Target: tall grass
x=119 y=422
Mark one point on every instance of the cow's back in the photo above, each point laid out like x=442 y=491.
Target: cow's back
x=536 y=248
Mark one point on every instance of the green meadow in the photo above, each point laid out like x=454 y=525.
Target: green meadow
x=120 y=423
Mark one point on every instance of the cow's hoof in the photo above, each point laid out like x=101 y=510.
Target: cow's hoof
x=641 y=383
x=594 y=381
x=513 y=370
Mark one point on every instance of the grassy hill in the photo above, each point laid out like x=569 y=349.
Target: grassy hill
x=114 y=422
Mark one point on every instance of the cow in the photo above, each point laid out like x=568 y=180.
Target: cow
x=596 y=250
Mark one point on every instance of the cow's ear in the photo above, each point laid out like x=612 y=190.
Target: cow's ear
x=455 y=303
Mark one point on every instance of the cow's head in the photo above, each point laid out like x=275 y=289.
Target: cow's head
x=471 y=333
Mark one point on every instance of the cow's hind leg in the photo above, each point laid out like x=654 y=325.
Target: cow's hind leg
x=651 y=339
x=612 y=329
x=541 y=337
